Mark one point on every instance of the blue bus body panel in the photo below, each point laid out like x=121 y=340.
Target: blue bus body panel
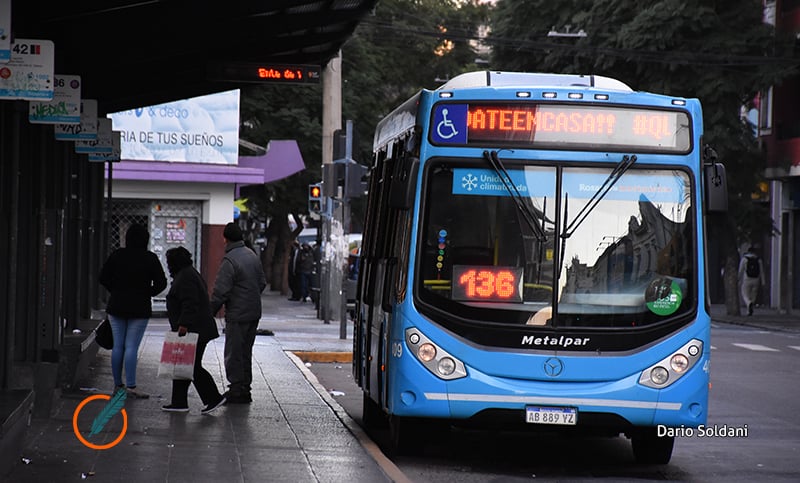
x=605 y=384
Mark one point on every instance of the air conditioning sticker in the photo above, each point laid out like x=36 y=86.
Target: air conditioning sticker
x=663 y=296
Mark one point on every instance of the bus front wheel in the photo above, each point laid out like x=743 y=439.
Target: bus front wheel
x=371 y=414
x=650 y=448
x=404 y=435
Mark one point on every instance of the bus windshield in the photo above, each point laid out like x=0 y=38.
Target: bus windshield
x=628 y=263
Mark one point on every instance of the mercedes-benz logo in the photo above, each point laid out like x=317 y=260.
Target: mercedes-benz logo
x=553 y=366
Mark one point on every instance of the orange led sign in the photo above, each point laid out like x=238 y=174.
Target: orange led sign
x=264 y=72
x=486 y=283
x=562 y=126
x=531 y=119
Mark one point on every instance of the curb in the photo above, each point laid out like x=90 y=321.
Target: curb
x=308 y=356
x=386 y=464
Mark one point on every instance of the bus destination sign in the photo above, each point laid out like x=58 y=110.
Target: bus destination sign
x=265 y=73
x=561 y=126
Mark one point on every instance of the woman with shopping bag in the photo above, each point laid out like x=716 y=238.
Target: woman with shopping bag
x=189 y=311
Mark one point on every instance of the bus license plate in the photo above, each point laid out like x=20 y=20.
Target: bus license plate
x=549 y=415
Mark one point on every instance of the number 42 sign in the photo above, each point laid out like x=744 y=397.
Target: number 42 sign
x=29 y=72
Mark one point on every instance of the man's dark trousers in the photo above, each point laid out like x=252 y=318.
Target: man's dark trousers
x=239 y=340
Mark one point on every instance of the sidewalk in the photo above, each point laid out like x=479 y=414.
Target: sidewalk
x=292 y=431
x=762 y=318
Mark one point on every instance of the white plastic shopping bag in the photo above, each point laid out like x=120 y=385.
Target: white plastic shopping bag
x=177 y=356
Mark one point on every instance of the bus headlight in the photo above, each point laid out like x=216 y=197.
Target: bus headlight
x=679 y=363
x=437 y=360
x=426 y=352
x=668 y=370
x=446 y=366
x=659 y=376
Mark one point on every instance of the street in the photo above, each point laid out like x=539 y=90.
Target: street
x=754 y=395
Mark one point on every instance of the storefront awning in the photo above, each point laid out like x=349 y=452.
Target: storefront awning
x=282 y=160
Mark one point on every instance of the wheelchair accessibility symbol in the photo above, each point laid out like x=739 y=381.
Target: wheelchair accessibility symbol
x=450 y=124
x=445 y=126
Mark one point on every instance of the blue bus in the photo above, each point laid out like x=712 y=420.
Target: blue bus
x=533 y=258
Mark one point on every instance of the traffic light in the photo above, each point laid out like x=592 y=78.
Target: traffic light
x=355 y=184
x=314 y=198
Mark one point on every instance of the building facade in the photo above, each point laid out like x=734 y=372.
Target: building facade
x=779 y=131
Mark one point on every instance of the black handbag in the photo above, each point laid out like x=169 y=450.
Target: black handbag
x=103 y=334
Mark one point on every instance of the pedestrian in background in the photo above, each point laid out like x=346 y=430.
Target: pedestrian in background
x=189 y=310
x=306 y=269
x=132 y=275
x=294 y=274
x=238 y=288
x=751 y=278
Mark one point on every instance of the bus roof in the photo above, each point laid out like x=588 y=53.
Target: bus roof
x=402 y=119
x=530 y=79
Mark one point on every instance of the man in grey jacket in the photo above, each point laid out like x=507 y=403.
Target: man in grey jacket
x=238 y=287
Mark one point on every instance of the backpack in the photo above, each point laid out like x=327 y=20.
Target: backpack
x=752 y=269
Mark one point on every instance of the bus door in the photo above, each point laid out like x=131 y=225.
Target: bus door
x=386 y=241
x=370 y=315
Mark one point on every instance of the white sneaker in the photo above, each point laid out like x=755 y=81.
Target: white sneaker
x=175 y=409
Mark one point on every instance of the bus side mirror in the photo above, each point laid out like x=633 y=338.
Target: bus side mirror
x=716 y=188
x=404 y=182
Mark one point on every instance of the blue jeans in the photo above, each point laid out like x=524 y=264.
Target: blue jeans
x=128 y=334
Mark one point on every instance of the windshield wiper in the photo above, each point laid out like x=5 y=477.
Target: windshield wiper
x=529 y=218
x=613 y=177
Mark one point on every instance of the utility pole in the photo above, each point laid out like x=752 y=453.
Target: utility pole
x=347 y=178
x=330 y=272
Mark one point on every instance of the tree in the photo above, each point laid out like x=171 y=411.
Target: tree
x=266 y=115
x=719 y=52
x=402 y=48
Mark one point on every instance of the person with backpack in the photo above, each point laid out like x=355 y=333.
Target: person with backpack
x=751 y=278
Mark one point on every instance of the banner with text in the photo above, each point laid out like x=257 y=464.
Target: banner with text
x=199 y=130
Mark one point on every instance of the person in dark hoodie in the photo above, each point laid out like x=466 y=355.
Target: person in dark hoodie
x=189 y=310
x=132 y=275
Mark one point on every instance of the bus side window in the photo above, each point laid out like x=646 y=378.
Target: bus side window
x=401 y=194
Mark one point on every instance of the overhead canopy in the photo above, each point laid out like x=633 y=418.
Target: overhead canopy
x=133 y=53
